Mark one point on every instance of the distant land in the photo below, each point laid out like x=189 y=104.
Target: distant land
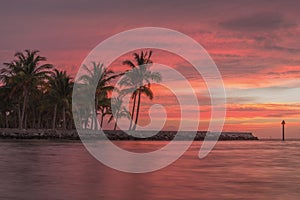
x=120 y=135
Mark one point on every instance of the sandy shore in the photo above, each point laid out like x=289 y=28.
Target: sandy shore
x=120 y=135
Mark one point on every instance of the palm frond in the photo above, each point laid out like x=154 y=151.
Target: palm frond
x=129 y=63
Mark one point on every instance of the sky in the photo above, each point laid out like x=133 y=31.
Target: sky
x=255 y=45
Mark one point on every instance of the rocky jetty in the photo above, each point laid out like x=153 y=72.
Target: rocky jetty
x=120 y=135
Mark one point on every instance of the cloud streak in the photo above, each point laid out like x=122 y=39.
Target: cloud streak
x=255 y=44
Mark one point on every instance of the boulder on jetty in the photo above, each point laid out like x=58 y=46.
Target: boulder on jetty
x=120 y=135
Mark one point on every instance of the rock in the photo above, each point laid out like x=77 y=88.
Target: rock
x=120 y=135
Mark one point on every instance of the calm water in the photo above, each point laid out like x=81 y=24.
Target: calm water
x=234 y=170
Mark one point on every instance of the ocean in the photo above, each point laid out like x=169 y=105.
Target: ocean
x=53 y=169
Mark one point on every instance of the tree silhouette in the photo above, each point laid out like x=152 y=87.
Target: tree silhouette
x=98 y=78
x=118 y=110
x=138 y=81
x=25 y=74
x=60 y=93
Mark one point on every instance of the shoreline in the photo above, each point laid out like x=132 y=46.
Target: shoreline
x=119 y=135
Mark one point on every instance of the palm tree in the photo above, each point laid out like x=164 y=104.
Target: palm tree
x=25 y=74
x=98 y=78
x=118 y=110
x=82 y=101
x=61 y=87
x=6 y=105
x=138 y=81
x=34 y=101
x=104 y=108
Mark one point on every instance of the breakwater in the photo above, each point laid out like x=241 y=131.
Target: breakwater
x=120 y=135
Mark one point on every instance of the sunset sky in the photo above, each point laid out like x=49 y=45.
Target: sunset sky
x=255 y=44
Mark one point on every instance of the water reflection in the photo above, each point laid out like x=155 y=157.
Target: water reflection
x=234 y=170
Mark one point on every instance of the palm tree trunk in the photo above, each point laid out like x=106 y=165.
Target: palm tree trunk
x=132 y=112
x=137 y=111
x=96 y=109
x=102 y=116
x=25 y=121
x=20 y=116
x=64 y=117
x=39 y=120
x=95 y=122
x=33 y=119
x=23 y=109
x=2 y=124
x=92 y=121
x=54 y=116
x=115 y=127
x=6 y=120
x=85 y=122
x=15 y=121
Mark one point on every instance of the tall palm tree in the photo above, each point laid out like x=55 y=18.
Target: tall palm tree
x=34 y=100
x=98 y=78
x=138 y=81
x=104 y=108
x=6 y=105
x=25 y=74
x=118 y=110
x=83 y=108
x=61 y=87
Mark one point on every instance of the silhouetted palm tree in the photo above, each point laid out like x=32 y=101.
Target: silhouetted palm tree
x=7 y=105
x=138 y=81
x=98 y=77
x=118 y=110
x=35 y=96
x=60 y=93
x=34 y=100
x=25 y=74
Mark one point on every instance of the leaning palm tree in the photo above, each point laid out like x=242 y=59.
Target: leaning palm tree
x=98 y=78
x=61 y=86
x=25 y=74
x=138 y=81
x=118 y=110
